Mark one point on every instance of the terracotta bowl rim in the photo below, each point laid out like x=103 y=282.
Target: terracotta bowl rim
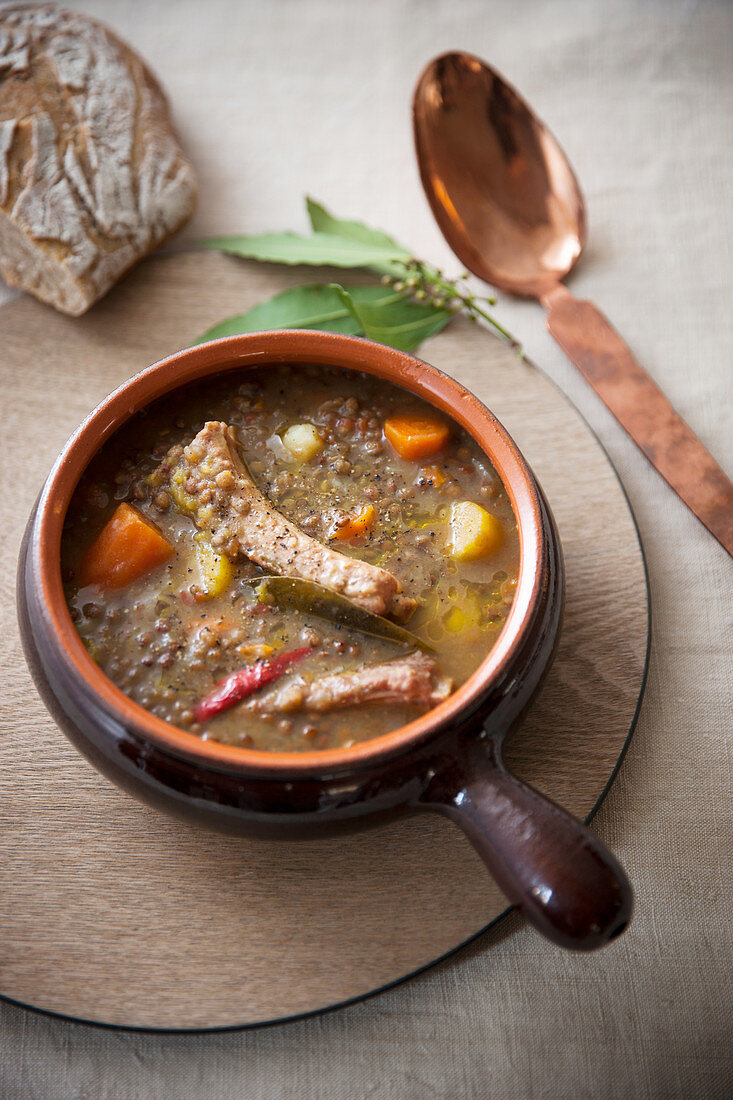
x=296 y=346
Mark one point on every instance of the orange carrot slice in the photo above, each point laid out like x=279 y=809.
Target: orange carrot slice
x=356 y=525
x=416 y=437
x=127 y=547
x=431 y=475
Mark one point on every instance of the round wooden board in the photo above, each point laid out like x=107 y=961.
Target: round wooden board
x=114 y=914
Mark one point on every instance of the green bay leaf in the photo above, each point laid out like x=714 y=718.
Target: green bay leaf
x=308 y=596
x=316 y=306
x=320 y=249
x=401 y=323
x=324 y=222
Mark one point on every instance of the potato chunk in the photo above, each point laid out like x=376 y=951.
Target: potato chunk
x=474 y=532
x=303 y=441
x=215 y=570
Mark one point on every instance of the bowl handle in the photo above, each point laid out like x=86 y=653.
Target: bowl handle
x=565 y=881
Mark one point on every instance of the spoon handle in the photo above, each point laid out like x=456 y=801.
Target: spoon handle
x=641 y=408
x=562 y=877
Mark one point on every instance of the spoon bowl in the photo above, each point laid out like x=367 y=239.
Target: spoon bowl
x=500 y=186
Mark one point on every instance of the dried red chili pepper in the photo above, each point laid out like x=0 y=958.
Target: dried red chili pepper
x=238 y=685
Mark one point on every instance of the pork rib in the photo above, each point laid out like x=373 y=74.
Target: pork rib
x=210 y=481
x=414 y=679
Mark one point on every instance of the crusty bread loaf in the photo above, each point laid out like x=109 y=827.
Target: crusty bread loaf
x=91 y=172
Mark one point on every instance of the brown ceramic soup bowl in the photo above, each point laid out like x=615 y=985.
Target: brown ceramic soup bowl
x=569 y=886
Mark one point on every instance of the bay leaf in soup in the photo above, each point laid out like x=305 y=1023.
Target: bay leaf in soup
x=301 y=595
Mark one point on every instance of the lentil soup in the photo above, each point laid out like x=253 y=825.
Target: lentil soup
x=393 y=530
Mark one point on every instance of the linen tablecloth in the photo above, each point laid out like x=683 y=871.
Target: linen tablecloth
x=277 y=99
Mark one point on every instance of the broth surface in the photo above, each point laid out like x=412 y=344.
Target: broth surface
x=166 y=647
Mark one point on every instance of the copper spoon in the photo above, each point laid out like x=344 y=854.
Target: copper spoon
x=509 y=205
